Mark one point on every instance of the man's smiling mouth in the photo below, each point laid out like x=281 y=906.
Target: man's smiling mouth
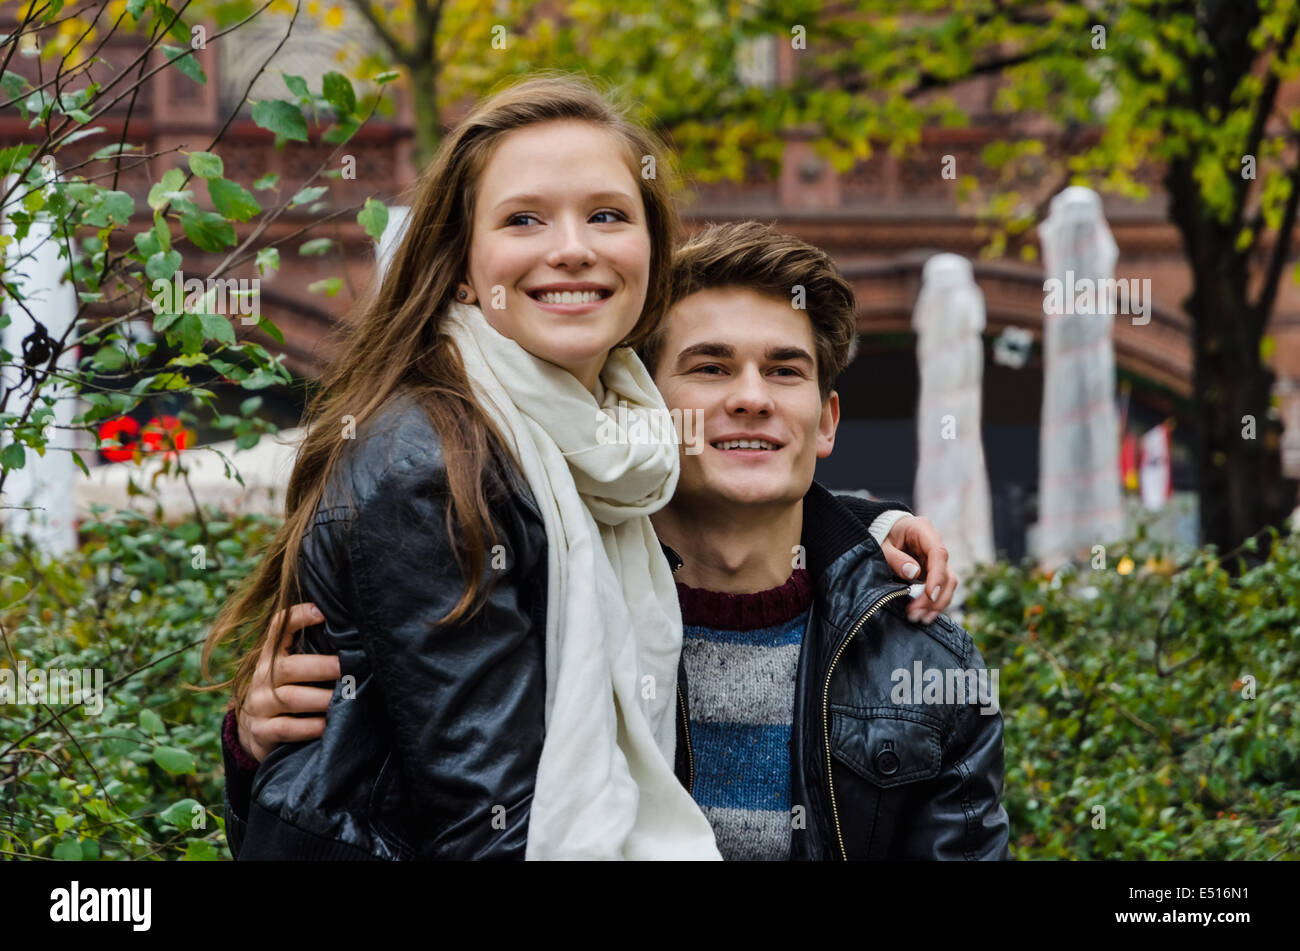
x=727 y=445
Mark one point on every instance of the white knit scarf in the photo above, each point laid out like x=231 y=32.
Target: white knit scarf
x=605 y=785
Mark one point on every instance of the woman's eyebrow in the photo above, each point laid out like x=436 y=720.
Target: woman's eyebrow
x=603 y=196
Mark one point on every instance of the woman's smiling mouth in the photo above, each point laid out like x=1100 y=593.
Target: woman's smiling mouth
x=570 y=298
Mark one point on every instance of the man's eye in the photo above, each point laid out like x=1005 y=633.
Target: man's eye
x=515 y=218
x=616 y=216
x=707 y=366
x=791 y=370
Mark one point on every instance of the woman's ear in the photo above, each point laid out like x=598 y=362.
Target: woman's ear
x=465 y=294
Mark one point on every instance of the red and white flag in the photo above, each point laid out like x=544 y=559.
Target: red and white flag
x=1157 y=480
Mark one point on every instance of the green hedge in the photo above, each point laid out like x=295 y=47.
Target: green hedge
x=1127 y=687
x=1182 y=762
x=135 y=602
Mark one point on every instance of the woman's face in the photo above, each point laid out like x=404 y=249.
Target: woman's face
x=559 y=260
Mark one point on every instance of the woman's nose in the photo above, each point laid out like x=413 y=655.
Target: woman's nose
x=571 y=248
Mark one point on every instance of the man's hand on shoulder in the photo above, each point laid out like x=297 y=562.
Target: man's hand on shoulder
x=265 y=719
x=915 y=552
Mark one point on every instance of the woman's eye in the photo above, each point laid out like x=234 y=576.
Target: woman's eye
x=514 y=219
x=614 y=215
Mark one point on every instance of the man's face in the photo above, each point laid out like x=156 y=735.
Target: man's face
x=744 y=362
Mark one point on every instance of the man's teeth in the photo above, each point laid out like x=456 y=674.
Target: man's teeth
x=744 y=444
x=568 y=297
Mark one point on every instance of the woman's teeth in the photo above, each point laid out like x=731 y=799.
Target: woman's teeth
x=743 y=444
x=569 y=297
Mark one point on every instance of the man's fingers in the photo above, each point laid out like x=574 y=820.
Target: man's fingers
x=301 y=615
x=290 y=730
x=902 y=564
x=306 y=668
x=294 y=698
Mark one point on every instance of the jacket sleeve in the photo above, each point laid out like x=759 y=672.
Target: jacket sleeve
x=958 y=815
x=240 y=769
x=464 y=701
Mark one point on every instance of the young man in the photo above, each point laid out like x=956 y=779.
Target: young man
x=796 y=734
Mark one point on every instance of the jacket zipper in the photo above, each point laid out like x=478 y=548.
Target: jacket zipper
x=681 y=705
x=690 y=757
x=826 y=722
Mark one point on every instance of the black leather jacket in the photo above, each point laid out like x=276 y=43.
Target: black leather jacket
x=879 y=779
x=433 y=737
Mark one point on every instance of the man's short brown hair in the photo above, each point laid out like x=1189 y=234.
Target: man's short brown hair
x=755 y=256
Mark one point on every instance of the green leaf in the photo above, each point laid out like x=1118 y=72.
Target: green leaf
x=114 y=150
x=146 y=242
x=282 y=118
x=69 y=850
x=266 y=181
x=180 y=813
x=175 y=761
x=218 y=328
x=200 y=850
x=171 y=181
x=82 y=134
x=388 y=77
x=206 y=165
x=268 y=258
x=81 y=463
x=13 y=84
x=315 y=246
x=308 y=195
x=341 y=131
x=297 y=85
x=110 y=209
x=191 y=333
x=374 y=218
x=250 y=406
x=151 y=722
x=109 y=358
x=165 y=320
x=232 y=199
x=13 y=456
x=208 y=230
x=186 y=62
x=338 y=91
x=330 y=285
x=162 y=265
x=271 y=330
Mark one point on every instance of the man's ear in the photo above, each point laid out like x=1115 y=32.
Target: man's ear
x=827 y=425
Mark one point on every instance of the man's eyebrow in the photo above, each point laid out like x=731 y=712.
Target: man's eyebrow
x=533 y=199
x=720 y=350
x=778 y=354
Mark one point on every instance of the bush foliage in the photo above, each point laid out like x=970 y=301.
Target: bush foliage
x=1150 y=708
x=1164 y=695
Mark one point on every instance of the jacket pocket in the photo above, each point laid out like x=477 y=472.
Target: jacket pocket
x=887 y=747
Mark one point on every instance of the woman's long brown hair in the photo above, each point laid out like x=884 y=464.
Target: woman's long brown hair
x=395 y=344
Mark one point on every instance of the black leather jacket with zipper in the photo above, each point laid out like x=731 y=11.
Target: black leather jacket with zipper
x=878 y=779
x=433 y=736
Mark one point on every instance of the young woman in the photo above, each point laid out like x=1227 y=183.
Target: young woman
x=506 y=623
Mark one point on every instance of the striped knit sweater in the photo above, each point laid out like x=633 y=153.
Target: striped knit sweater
x=741 y=654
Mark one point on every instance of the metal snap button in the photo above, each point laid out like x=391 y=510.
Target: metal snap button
x=886 y=762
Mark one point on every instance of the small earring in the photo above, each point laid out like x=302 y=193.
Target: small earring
x=462 y=294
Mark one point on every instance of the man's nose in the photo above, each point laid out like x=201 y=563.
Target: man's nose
x=749 y=394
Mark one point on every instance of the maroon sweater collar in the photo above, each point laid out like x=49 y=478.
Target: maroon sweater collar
x=746 y=612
